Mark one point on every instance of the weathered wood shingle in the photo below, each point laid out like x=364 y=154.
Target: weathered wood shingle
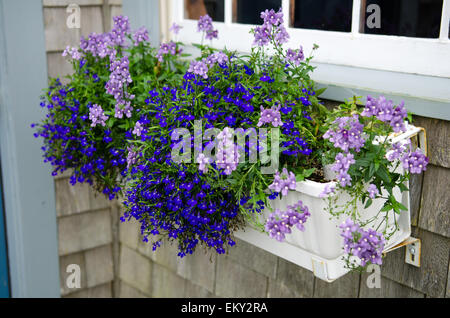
x=431 y=277
x=435 y=205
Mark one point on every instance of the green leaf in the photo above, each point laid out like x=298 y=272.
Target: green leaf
x=320 y=91
x=111 y=121
x=308 y=172
x=402 y=187
x=383 y=174
x=371 y=169
x=402 y=207
x=363 y=162
x=368 y=203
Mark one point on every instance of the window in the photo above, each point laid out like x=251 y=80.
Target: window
x=407 y=36
x=196 y=8
x=411 y=18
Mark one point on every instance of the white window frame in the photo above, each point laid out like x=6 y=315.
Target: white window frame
x=430 y=57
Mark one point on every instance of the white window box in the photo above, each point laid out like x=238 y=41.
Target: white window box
x=320 y=247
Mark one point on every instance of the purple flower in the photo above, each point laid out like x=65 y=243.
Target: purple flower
x=118 y=80
x=384 y=110
x=298 y=215
x=341 y=166
x=212 y=34
x=204 y=23
x=281 y=35
x=327 y=191
x=280 y=223
x=366 y=245
x=271 y=17
x=283 y=182
x=73 y=52
x=131 y=157
x=166 y=49
x=373 y=191
x=121 y=27
x=398 y=118
x=270 y=116
x=343 y=162
x=396 y=151
x=203 y=162
x=227 y=155
x=199 y=68
x=140 y=35
x=344 y=179
x=415 y=162
x=277 y=183
x=138 y=129
x=217 y=57
x=97 y=116
x=273 y=227
x=295 y=57
x=175 y=28
x=371 y=108
x=349 y=228
x=346 y=133
x=262 y=35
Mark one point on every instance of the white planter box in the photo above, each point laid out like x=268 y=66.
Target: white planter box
x=319 y=247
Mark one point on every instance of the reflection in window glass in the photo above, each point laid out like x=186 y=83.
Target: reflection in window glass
x=196 y=8
x=329 y=15
x=413 y=18
x=249 y=11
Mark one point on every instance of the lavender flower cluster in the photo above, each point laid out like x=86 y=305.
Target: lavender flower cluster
x=346 y=134
x=280 y=223
x=367 y=245
x=97 y=115
x=295 y=56
x=201 y=67
x=227 y=156
x=283 y=182
x=169 y=48
x=385 y=111
x=205 y=25
x=341 y=166
x=270 y=116
x=271 y=29
x=119 y=79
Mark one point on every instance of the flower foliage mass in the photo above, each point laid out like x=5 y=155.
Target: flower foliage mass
x=116 y=123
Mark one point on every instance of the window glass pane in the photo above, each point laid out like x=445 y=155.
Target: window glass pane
x=196 y=8
x=329 y=15
x=249 y=11
x=413 y=18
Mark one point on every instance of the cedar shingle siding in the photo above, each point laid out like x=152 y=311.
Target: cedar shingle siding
x=116 y=263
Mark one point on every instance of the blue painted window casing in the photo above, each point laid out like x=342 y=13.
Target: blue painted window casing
x=4 y=275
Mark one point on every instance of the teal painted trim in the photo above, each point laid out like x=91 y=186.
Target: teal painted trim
x=426 y=96
x=4 y=273
x=27 y=183
x=144 y=13
x=418 y=106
